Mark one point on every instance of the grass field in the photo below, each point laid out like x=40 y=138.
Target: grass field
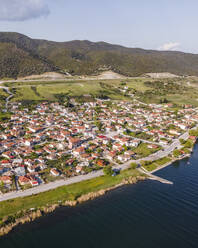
x=70 y=192
x=150 y=166
x=153 y=92
x=143 y=151
x=49 y=90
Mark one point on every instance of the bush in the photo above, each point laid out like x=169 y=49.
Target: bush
x=182 y=141
x=108 y=171
x=134 y=166
x=176 y=153
x=188 y=144
x=193 y=132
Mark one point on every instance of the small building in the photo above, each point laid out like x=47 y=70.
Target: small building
x=54 y=172
x=6 y=179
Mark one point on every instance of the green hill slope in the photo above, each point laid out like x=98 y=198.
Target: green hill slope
x=21 y=55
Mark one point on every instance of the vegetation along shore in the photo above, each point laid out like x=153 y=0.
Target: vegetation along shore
x=22 y=210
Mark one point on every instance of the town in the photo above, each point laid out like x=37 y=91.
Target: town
x=52 y=140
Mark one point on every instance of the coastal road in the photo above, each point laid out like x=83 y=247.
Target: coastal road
x=50 y=186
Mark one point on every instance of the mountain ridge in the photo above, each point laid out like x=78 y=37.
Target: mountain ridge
x=21 y=55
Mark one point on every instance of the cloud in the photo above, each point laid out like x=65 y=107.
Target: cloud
x=169 y=46
x=21 y=10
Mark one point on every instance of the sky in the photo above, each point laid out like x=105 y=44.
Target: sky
x=148 y=24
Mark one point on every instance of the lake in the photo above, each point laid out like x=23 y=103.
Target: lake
x=148 y=214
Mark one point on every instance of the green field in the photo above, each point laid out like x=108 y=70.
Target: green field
x=144 y=89
x=49 y=90
x=143 y=151
x=70 y=192
x=152 y=165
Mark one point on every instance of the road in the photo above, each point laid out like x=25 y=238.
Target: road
x=9 y=92
x=50 y=186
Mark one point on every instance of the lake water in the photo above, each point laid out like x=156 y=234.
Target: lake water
x=146 y=215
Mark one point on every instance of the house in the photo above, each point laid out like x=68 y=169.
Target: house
x=54 y=172
x=152 y=146
x=182 y=126
x=111 y=155
x=28 y=142
x=20 y=171
x=174 y=132
x=117 y=147
x=193 y=138
x=69 y=161
x=28 y=162
x=41 y=166
x=31 y=169
x=101 y=163
x=135 y=143
x=17 y=161
x=78 y=151
x=8 y=155
x=51 y=156
x=74 y=142
x=5 y=163
x=85 y=156
x=33 y=182
x=79 y=169
x=84 y=163
x=6 y=179
x=123 y=158
x=130 y=153
x=23 y=180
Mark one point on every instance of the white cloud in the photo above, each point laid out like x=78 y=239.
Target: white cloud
x=21 y=10
x=169 y=46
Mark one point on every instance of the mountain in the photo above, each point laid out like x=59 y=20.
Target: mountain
x=22 y=56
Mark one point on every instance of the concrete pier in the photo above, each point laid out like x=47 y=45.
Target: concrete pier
x=153 y=177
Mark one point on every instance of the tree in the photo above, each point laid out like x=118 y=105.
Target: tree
x=145 y=163
x=182 y=141
x=164 y=100
x=134 y=166
x=188 y=144
x=193 y=132
x=176 y=153
x=99 y=125
x=108 y=171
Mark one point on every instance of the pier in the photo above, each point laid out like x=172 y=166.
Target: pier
x=153 y=177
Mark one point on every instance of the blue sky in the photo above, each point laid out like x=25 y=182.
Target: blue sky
x=149 y=24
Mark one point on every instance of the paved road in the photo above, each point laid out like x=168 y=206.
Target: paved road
x=9 y=92
x=50 y=186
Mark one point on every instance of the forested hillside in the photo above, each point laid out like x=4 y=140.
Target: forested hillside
x=21 y=56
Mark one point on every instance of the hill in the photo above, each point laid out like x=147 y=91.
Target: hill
x=23 y=56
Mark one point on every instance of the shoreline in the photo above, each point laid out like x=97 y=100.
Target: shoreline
x=33 y=214
x=27 y=216
x=174 y=160
x=169 y=163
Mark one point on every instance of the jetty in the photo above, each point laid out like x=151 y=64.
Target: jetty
x=154 y=177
